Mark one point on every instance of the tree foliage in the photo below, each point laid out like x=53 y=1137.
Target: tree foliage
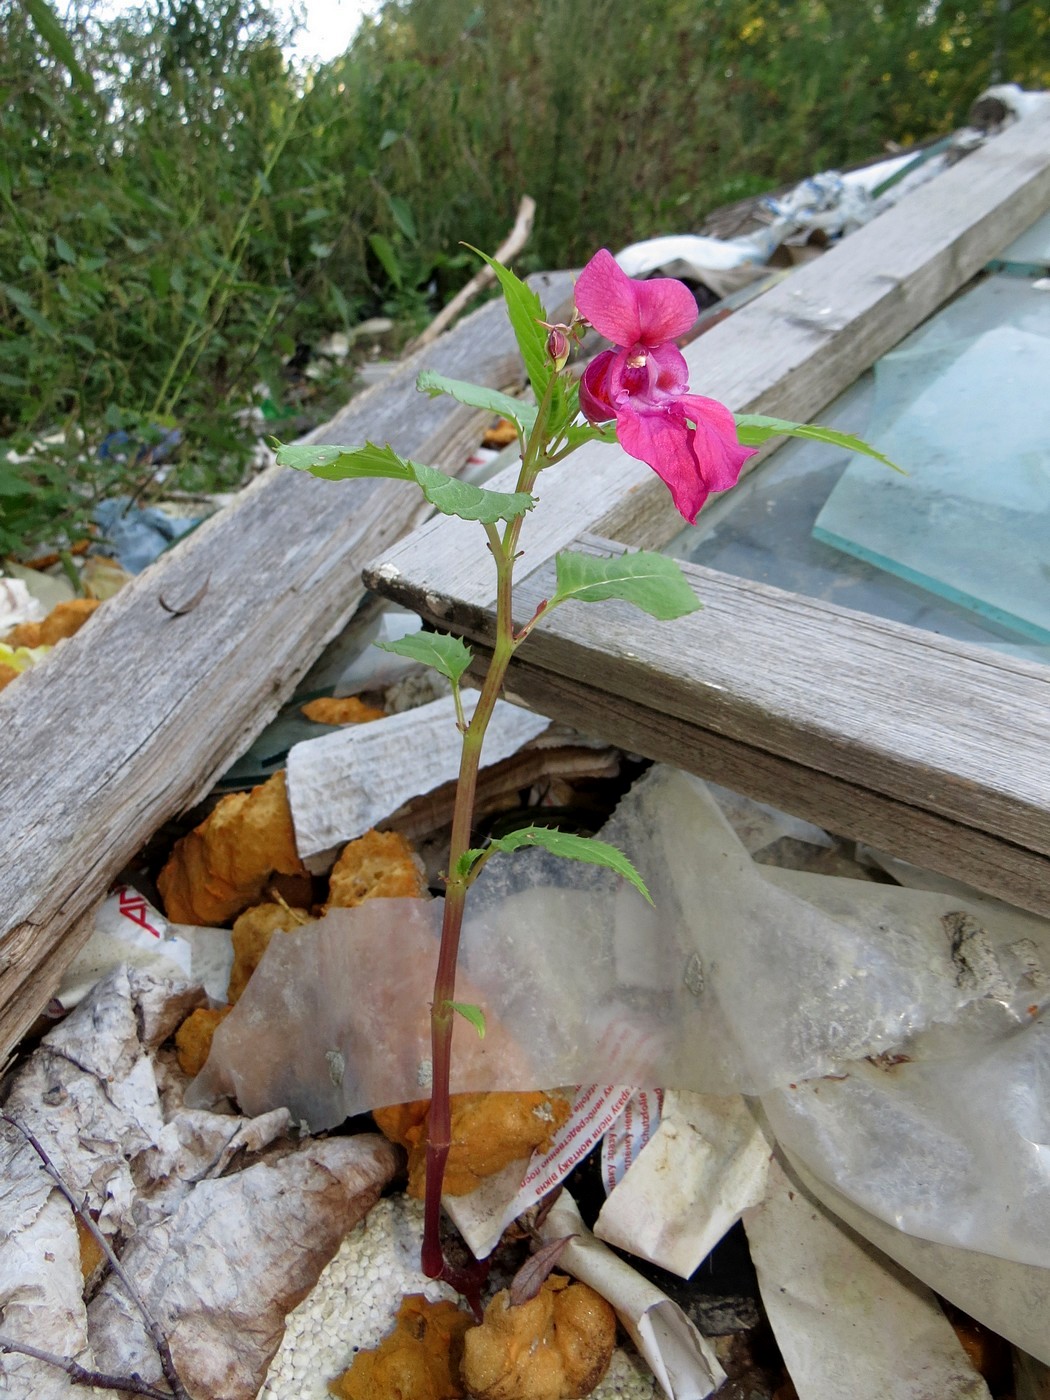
x=181 y=208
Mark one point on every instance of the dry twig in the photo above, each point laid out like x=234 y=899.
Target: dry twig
x=178 y=1390
x=80 y=1375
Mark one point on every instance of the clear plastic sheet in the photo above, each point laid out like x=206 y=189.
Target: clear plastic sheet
x=1012 y=1299
x=742 y=979
x=829 y=1298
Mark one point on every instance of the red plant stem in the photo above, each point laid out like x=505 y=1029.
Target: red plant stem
x=442 y=1015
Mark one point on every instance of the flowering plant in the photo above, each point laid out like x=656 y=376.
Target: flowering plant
x=637 y=394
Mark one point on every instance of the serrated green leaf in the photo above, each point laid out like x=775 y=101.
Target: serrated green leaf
x=468 y=860
x=579 y=433
x=753 y=429
x=453 y=497
x=526 y=311
x=450 y=496
x=449 y=655
x=64 y=251
x=571 y=847
x=652 y=582
x=476 y=396
x=471 y=1013
x=24 y=303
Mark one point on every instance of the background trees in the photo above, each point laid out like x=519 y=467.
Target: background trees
x=180 y=208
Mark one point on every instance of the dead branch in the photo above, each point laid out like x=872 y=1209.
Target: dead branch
x=178 y=1391
x=508 y=249
x=80 y=1375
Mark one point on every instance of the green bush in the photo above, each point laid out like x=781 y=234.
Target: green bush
x=181 y=208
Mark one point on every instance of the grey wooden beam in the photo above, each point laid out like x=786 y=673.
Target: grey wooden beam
x=933 y=750
x=131 y=721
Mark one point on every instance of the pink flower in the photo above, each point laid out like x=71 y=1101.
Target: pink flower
x=689 y=441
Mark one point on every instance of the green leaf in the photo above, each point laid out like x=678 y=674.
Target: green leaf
x=753 y=430
x=64 y=251
x=24 y=304
x=476 y=396
x=652 y=582
x=453 y=497
x=387 y=257
x=526 y=311
x=450 y=496
x=471 y=1013
x=570 y=847
x=576 y=434
x=11 y=484
x=50 y=29
x=449 y=655
x=403 y=216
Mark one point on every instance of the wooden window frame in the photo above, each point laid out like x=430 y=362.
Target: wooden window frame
x=935 y=750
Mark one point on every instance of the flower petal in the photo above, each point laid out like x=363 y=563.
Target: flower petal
x=595 y=398
x=629 y=312
x=672 y=372
x=607 y=297
x=664 y=443
x=666 y=309
x=717 y=449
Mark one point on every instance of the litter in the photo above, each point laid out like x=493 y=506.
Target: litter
x=342 y=784
x=136 y=535
x=850 y=1326
x=18 y=605
x=700 y=1168
x=205 y=1241
x=681 y=1359
x=128 y=931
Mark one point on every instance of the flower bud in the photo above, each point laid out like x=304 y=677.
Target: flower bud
x=558 y=346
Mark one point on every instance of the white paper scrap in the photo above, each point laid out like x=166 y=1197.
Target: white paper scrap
x=703 y=1167
x=851 y=1325
x=680 y=1358
x=127 y=930
x=342 y=784
x=629 y=1134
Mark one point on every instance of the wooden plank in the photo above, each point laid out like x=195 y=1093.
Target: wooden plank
x=936 y=750
x=133 y=719
x=788 y=353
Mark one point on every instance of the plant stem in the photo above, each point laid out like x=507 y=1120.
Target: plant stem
x=442 y=1016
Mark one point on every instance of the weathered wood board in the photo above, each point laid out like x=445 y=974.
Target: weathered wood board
x=132 y=720
x=934 y=750
x=788 y=354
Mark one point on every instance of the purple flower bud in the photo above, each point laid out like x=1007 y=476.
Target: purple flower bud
x=558 y=345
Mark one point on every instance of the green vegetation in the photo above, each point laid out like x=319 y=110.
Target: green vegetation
x=179 y=209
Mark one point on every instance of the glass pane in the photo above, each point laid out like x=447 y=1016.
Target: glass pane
x=962 y=403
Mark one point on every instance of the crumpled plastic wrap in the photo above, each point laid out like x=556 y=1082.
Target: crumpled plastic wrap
x=850 y=1324
x=1012 y=1299
x=741 y=979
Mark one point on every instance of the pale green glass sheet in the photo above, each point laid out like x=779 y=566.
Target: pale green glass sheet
x=763 y=529
x=1029 y=254
x=970 y=423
